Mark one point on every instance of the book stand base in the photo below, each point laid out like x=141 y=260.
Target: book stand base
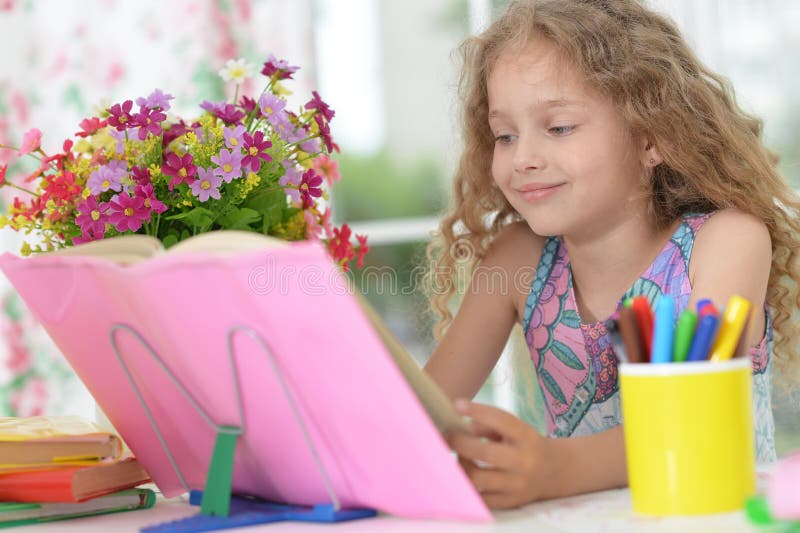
x=219 y=508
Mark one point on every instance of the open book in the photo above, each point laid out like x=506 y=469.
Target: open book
x=237 y=329
x=131 y=249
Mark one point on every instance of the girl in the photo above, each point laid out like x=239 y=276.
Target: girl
x=604 y=158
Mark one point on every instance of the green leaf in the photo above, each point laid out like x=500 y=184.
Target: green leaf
x=271 y=204
x=188 y=214
x=565 y=354
x=169 y=240
x=266 y=198
x=551 y=386
x=239 y=218
x=571 y=319
x=199 y=217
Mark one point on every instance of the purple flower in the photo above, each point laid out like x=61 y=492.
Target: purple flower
x=91 y=219
x=120 y=115
x=180 y=168
x=149 y=121
x=278 y=67
x=290 y=181
x=145 y=191
x=227 y=113
x=272 y=108
x=321 y=107
x=233 y=137
x=207 y=185
x=310 y=187
x=119 y=135
x=157 y=100
x=229 y=165
x=125 y=212
x=108 y=176
x=310 y=146
x=255 y=149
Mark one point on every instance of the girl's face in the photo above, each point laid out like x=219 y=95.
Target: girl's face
x=563 y=154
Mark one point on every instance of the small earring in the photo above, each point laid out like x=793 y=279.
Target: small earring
x=652 y=162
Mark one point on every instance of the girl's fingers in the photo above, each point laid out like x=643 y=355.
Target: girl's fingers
x=489 y=418
x=500 y=500
x=482 y=451
x=488 y=480
x=481 y=430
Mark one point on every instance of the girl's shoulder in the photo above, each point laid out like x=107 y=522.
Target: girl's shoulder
x=516 y=251
x=730 y=231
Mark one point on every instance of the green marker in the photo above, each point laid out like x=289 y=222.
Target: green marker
x=684 y=332
x=628 y=302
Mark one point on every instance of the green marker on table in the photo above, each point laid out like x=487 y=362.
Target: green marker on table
x=684 y=333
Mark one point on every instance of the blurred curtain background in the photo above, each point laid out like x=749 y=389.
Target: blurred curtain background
x=389 y=69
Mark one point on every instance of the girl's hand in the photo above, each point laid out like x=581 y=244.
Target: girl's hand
x=506 y=459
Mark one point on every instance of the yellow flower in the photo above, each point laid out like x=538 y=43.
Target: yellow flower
x=83 y=146
x=251 y=181
x=293 y=229
x=25 y=250
x=3 y=221
x=280 y=90
x=155 y=172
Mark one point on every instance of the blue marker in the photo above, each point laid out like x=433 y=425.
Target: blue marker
x=703 y=338
x=663 y=330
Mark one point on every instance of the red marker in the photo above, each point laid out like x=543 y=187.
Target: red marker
x=644 y=321
x=707 y=309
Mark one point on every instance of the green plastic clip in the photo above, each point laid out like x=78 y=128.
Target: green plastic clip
x=217 y=493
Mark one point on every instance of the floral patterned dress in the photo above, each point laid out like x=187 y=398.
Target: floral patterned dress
x=575 y=362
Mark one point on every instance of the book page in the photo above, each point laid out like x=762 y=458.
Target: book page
x=226 y=242
x=123 y=249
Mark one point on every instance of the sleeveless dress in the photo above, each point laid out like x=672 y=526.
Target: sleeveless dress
x=575 y=363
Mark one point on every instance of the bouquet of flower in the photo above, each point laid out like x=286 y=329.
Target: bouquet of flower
x=246 y=164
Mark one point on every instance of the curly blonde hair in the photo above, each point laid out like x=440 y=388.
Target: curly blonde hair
x=713 y=154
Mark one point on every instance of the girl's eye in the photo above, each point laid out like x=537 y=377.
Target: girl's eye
x=504 y=139
x=561 y=130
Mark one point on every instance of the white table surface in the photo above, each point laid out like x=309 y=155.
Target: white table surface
x=607 y=511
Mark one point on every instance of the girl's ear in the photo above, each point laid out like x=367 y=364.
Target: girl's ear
x=650 y=156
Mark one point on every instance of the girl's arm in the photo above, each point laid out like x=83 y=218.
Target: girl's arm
x=733 y=255
x=472 y=344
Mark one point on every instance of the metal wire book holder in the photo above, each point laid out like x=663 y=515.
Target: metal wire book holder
x=219 y=508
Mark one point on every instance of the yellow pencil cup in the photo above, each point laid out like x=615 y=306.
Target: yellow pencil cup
x=689 y=436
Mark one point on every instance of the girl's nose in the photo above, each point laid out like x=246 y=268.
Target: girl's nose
x=527 y=156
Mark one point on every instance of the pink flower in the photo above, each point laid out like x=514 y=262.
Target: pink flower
x=31 y=141
x=126 y=213
x=327 y=168
x=310 y=187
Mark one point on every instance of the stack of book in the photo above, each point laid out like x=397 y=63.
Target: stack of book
x=53 y=468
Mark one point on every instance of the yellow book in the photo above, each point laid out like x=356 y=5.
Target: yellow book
x=45 y=441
